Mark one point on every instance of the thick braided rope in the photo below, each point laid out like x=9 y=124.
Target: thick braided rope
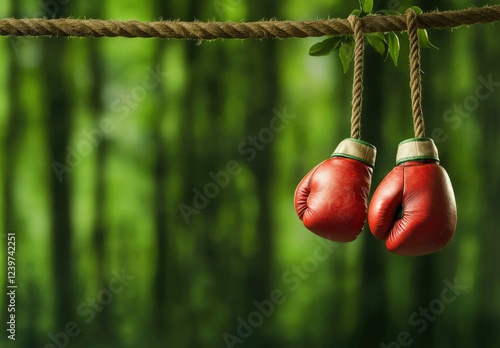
x=357 y=84
x=415 y=75
x=239 y=30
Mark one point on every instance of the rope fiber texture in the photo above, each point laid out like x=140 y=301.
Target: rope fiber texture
x=239 y=30
x=415 y=75
x=357 y=84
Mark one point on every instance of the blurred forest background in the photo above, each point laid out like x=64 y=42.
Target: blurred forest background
x=140 y=124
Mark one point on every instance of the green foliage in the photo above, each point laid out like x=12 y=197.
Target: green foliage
x=367 y=6
x=393 y=47
x=343 y=43
x=378 y=42
x=386 y=44
x=417 y=9
x=423 y=39
x=324 y=48
x=346 y=53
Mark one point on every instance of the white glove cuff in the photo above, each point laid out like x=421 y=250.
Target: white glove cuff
x=417 y=149
x=356 y=149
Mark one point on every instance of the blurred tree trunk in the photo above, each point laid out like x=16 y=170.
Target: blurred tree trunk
x=14 y=120
x=12 y=128
x=192 y=171
x=104 y=322
x=488 y=308
x=262 y=70
x=486 y=329
x=203 y=139
x=373 y=307
x=58 y=115
x=165 y=264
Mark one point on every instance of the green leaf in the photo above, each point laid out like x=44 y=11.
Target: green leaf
x=377 y=41
x=367 y=6
x=324 y=48
x=417 y=10
x=423 y=39
x=394 y=47
x=346 y=54
x=356 y=12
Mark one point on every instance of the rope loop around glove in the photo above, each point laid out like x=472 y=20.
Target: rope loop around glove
x=415 y=74
x=357 y=87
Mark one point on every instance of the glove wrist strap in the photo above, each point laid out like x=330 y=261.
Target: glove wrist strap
x=417 y=149
x=356 y=149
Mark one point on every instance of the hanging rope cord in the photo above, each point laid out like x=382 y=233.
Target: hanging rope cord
x=239 y=30
x=357 y=84
x=415 y=75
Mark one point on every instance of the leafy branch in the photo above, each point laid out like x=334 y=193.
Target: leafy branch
x=386 y=44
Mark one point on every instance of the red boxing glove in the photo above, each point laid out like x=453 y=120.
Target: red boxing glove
x=332 y=198
x=413 y=209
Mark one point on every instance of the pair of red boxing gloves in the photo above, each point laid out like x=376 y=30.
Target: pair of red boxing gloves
x=413 y=209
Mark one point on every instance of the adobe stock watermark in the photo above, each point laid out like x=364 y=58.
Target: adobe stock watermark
x=121 y=108
x=292 y=279
x=425 y=315
x=250 y=149
x=87 y=310
x=485 y=88
x=222 y=7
